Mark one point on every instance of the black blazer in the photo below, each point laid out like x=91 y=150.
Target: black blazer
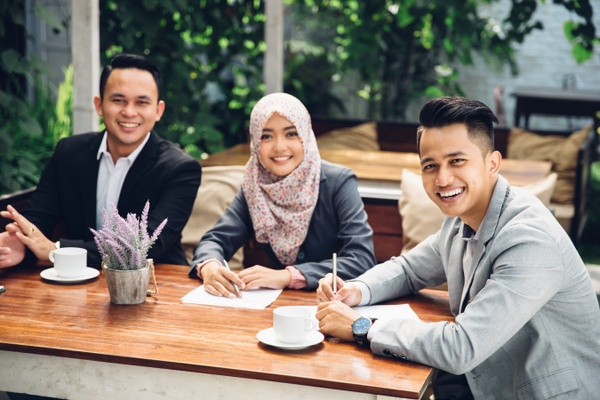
x=66 y=193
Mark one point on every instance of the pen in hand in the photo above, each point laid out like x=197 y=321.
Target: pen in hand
x=334 y=267
x=237 y=290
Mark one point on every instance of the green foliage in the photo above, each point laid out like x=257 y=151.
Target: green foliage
x=589 y=248
x=403 y=50
x=31 y=123
x=31 y=130
x=210 y=54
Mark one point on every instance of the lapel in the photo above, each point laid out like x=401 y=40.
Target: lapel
x=456 y=279
x=144 y=162
x=487 y=232
x=90 y=165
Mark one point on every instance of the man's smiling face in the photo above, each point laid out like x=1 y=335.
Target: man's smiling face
x=130 y=108
x=456 y=175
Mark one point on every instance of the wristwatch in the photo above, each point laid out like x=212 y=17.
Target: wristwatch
x=360 y=328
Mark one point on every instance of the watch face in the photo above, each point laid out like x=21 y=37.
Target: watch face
x=361 y=326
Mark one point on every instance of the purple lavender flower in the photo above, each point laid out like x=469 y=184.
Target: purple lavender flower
x=124 y=243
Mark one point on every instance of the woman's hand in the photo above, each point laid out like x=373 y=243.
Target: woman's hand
x=262 y=277
x=219 y=280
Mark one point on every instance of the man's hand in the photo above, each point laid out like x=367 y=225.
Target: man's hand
x=28 y=234
x=12 y=251
x=347 y=293
x=262 y=277
x=335 y=319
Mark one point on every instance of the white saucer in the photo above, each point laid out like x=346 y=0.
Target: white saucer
x=51 y=275
x=267 y=336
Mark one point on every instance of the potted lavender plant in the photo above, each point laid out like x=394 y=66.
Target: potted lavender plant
x=123 y=244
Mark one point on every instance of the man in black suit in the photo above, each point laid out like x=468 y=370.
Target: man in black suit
x=126 y=165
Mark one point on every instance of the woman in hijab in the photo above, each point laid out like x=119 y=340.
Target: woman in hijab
x=301 y=208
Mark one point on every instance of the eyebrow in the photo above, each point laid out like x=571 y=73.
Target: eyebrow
x=121 y=95
x=450 y=155
x=287 y=128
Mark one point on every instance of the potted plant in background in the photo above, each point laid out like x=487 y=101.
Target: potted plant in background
x=123 y=244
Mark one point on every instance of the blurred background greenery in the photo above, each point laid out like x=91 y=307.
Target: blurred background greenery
x=211 y=55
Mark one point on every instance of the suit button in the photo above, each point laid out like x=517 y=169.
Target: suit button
x=387 y=352
x=300 y=255
x=404 y=358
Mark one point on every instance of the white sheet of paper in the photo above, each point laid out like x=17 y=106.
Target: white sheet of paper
x=255 y=299
x=382 y=312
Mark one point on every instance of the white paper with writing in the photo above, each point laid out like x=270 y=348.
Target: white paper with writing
x=254 y=299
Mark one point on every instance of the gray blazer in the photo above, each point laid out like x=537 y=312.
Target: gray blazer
x=339 y=224
x=527 y=320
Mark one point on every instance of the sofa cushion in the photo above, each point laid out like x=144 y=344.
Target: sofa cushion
x=561 y=151
x=421 y=217
x=218 y=188
x=359 y=137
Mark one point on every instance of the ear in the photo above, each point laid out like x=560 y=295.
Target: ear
x=98 y=105
x=494 y=159
x=160 y=109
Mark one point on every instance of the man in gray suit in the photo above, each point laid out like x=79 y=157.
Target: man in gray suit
x=527 y=322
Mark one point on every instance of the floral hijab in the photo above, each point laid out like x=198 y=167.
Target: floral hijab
x=281 y=207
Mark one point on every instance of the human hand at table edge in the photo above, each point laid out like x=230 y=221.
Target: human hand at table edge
x=347 y=293
x=12 y=251
x=258 y=276
x=336 y=318
x=28 y=234
x=219 y=281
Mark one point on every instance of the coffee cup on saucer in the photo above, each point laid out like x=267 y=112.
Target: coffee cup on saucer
x=292 y=324
x=69 y=262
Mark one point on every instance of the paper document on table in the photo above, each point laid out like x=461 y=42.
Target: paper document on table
x=382 y=312
x=388 y=311
x=255 y=299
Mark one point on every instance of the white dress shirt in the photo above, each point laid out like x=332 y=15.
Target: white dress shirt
x=111 y=177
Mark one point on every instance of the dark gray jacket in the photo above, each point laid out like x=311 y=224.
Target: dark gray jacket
x=339 y=224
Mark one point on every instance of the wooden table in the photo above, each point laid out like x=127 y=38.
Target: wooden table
x=554 y=101
x=69 y=341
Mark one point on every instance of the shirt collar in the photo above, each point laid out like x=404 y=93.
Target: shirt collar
x=468 y=233
x=103 y=149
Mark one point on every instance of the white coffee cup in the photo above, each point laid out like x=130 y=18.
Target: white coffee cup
x=292 y=324
x=69 y=262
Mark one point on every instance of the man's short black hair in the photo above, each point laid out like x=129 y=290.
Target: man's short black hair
x=124 y=61
x=444 y=111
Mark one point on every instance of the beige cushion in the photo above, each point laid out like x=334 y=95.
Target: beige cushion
x=560 y=150
x=359 y=137
x=421 y=217
x=564 y=214
x=543 y=188
x=218 y=188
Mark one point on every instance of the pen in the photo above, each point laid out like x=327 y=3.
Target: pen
x=334 y=265
x=237 y=290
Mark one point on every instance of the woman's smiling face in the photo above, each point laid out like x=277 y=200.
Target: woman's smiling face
x=280 y=149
